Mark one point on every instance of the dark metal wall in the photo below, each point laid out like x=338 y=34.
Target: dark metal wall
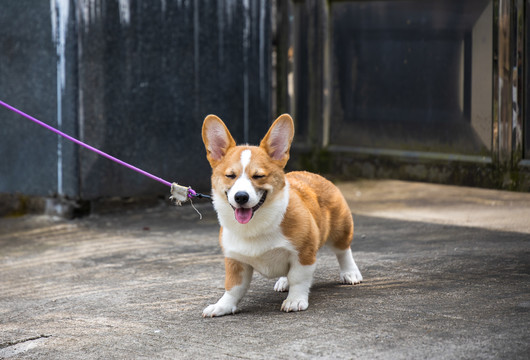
x=411 y=89
x=28 y=80
x=526 y=87
x=133 y=78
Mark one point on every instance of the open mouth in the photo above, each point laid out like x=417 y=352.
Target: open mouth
x=243 y=215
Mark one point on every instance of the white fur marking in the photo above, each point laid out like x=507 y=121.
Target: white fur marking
x=299 y=278
x=264 y=225
x=282 y=284
x=243 y=183
x=245 y=158
x=349 y=272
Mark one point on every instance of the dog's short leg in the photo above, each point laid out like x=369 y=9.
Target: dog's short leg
x=299 y=278
x=349 y=272
x=237 y=282
x=282 y=284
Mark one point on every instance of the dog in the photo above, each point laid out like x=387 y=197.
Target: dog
x=273 y=222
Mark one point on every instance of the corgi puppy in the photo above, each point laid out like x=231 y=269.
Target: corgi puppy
x=273 y=222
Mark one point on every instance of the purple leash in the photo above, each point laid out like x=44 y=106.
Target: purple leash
x=190 y=192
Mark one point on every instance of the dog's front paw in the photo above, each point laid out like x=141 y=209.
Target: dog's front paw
x=351 y=277
x=282 y=284
x=219 y=310
x=294 y=305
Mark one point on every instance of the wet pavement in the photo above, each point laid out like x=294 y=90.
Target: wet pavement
x=446 y=276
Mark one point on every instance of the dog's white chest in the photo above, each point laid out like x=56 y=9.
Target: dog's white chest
x=274 y=263
x=269 y=255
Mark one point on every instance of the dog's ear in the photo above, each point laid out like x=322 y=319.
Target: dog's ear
x=216 y=138
x=278 y=140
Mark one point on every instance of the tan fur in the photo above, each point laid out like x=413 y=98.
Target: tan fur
x=231 y=164
x=233 y=269
x=316 y=212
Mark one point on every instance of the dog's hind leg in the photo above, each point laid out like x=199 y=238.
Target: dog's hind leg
x=349 y=272
x=340 y=240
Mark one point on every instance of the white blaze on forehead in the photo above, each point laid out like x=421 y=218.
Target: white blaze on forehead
x=245 y=158
x=243 y=183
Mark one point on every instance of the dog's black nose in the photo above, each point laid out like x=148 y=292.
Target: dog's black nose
x=241 y=197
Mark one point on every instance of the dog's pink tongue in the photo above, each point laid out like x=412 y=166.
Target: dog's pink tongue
x=243 y=215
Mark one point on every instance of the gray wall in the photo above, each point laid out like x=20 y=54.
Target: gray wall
x=133 y=78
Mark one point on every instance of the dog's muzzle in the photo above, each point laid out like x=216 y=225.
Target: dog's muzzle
x=261 y=201
x=244 y=215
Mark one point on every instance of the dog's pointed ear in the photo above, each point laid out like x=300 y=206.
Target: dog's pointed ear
x=278 y=140
x=216 y=138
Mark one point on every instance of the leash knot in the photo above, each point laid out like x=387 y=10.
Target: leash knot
x=180 y=193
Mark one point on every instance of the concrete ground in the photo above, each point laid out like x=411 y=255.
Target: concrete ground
x=446 y=276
